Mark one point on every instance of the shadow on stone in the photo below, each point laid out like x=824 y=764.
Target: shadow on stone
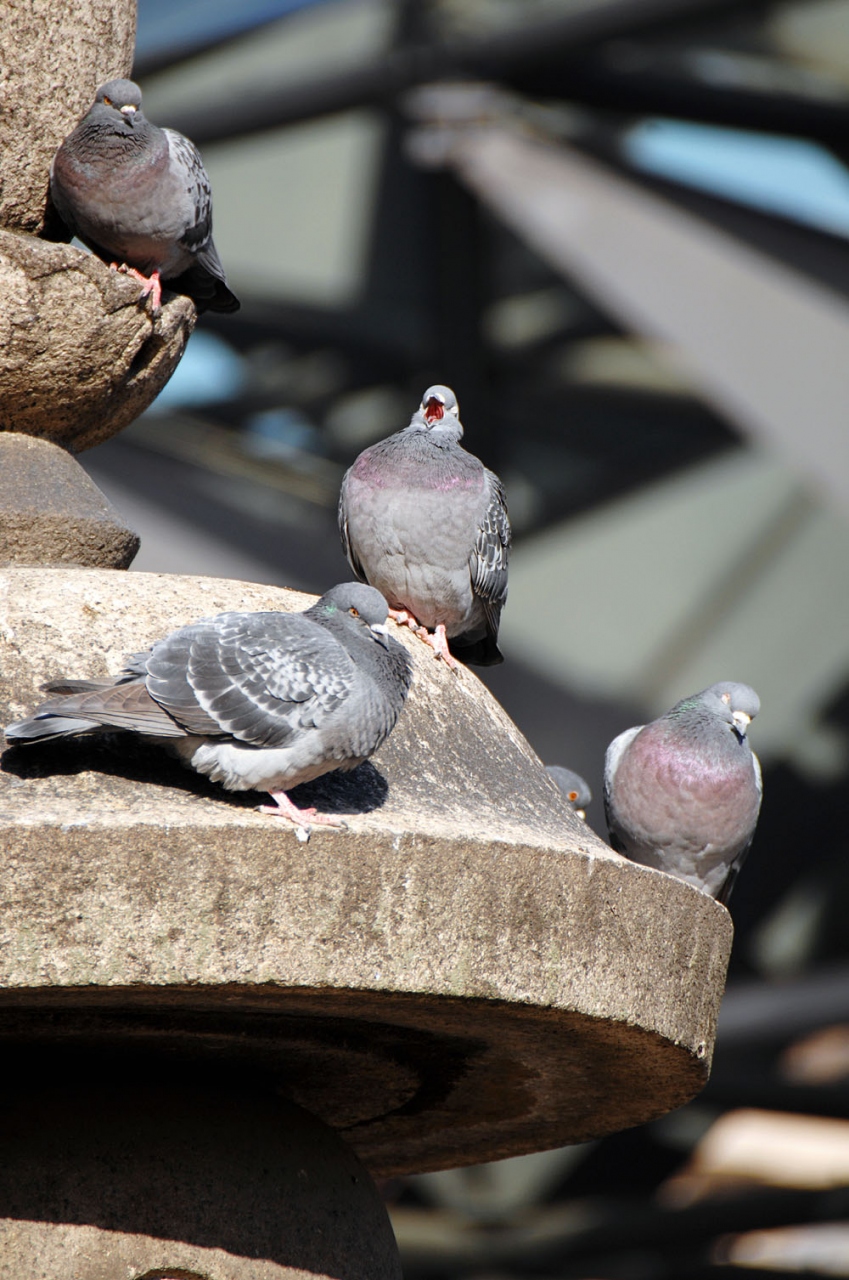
x=362 y=790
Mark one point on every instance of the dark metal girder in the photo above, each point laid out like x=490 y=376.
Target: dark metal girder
x=494 y=56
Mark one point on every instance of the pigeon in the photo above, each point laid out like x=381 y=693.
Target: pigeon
x=426 y=523
x=684 y=792
x=256 y=701
x=573 y=786
x=139 y=197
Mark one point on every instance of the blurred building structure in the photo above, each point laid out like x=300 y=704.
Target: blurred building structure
x=620 y=230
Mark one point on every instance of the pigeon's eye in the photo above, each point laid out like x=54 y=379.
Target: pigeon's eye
x=354 y=612
x=726 y=698
x=108 y=102
x=573 y=796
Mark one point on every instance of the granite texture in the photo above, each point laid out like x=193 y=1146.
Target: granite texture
x=52 y=513
x=55 y=54
x=81 y=354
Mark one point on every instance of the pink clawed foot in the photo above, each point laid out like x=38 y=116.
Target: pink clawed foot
x=151 y=285
x=286 y=808
x=438 y=641
x=403 y=618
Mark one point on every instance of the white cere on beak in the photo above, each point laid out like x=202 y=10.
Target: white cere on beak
x=741 y=721
x=128 y=110
x=380 y=628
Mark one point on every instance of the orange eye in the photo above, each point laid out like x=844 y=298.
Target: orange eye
x=573 y=796
x=354 y=612
x=108 y=102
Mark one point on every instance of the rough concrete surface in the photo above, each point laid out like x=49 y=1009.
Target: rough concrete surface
x=52 y=512
x=81 y=355
x=148 y=1180
x=466 y=973
x=55 y=54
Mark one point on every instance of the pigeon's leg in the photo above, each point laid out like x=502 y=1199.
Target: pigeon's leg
x=438 y=641
x=151 y=285
x=286 y=808
x=403 y=618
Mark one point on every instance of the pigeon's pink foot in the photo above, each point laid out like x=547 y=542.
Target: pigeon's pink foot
x=403 y=618
x=151 y=285
x=286 y=808
x=438 y=641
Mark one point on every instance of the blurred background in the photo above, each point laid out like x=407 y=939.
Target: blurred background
x=619 y=229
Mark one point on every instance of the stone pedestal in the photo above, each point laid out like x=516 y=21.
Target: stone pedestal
x=51 y=512
x=465 y=973
x=132 y=1176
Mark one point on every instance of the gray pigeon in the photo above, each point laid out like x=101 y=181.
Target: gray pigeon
x=684 y=792
x=139 y=197
x=573 y=786
x=426 y=523
x=256 y=701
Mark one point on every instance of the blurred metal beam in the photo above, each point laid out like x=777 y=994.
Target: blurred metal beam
x=495 y=55
x=589 y=1236
x=768 y=1013
x=765 y=345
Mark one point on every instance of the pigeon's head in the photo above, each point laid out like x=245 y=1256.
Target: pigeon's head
x=359 y=601
x=573 y=787
x=735 y=703
x=437 y=403
x=123 y=97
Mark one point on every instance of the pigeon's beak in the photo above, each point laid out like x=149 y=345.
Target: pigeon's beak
x=582 y=814
x=434 y=409
x=381 y=633
x=128 y=112
x=741 y=722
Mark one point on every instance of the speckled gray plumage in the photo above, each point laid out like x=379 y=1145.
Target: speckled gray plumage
x=426 y=523
x=684 y=792
x=139 y=195
x=256 y=701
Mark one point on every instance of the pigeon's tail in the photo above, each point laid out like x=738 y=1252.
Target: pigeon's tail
x=482 y=651
x=92 y=706
x=47 y=727
x=206 y=284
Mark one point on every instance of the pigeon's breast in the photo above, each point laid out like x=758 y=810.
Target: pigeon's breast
x=701 y=803
x=414 y=531
x=123 y=198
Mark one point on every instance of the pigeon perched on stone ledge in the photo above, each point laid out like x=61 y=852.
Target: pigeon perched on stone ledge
x=683 y=793
x=256 y=701
x=139 y=197
x=426 y=523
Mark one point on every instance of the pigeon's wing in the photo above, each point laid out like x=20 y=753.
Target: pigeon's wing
x=734 y=870
x=261 y=677
x=205 y=280
x=342 y=519
x=187 y=164
x=612 y=758
x=488 y=563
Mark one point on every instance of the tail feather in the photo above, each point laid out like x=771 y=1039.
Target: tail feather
x=48 y=727
x=86 y=706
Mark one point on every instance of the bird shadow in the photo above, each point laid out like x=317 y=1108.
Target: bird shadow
x=361 y=790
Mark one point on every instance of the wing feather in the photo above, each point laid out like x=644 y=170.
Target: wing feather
x=488 y=563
